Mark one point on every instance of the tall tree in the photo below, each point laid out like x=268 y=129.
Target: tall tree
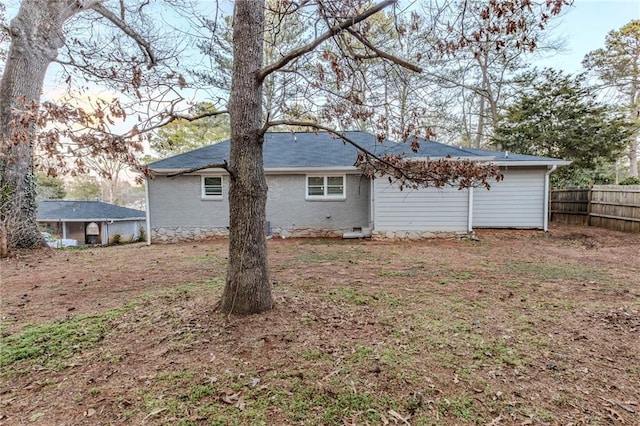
x=618 y=66
x=558 y=116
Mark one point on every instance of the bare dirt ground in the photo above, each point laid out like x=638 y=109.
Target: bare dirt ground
x=520 y=327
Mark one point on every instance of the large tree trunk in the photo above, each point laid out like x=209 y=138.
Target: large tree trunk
x=35 y=38
x=247 y=288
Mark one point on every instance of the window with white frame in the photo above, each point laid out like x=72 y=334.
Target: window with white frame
x=212 y=187
x=326 y=187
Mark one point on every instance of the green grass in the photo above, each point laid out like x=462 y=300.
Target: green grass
x=460 y=407
x=403 y=273
x=51 y=344
x=350 y=296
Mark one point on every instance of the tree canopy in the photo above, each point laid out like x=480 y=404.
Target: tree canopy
x=558 y=115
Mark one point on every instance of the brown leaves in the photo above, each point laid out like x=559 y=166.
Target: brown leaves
x=64 y=136
x=421 y=173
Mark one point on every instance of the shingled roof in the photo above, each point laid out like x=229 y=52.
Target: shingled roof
x=322 y=149
x=84 y=211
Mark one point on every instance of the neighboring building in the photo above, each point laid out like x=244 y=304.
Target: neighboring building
x=315 y=190
x=91 y=222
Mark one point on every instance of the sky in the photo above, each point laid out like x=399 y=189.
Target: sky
x=584 y=28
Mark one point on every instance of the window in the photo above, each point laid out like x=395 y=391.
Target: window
x=325 y=187
x=212 y=187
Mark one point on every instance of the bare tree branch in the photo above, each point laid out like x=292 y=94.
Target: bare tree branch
x=144 y=45
x=264 y=72
x=174 y=117
x=224 y=165
x=385 y=55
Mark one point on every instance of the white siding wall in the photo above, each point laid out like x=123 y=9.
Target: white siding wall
x=516 y=202
x=427 y=209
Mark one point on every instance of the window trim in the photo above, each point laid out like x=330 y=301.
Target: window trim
x=203 y=194
x=326 y=196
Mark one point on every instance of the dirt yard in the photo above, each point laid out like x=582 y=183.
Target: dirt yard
x=518 y=328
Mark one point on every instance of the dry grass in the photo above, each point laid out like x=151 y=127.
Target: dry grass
x=518 y=328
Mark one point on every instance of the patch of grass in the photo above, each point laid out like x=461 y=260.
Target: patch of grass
x=557 y=271
x=176 y=377
x=354 y=255
x=402 y=273
x=545 y=416
x=316 y=258
x=312 y=354
x=361 y=354
x=498 y=351
x=315 y=406
x=350 y=295
x=200 y=391
x=460 y=407
x=52 y=343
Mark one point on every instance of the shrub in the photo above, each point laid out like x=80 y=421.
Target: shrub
x=630 y=181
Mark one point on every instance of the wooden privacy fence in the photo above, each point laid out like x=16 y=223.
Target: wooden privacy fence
x=607 y=206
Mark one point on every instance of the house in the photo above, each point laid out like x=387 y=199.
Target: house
x=315 y=190
x=91 y=222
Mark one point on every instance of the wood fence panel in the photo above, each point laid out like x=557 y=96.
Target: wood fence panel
x=616 y=207
x=608 y=206
x=570 y=205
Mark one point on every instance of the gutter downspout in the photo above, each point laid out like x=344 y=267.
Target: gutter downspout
x=545 y=226
x=470 y=212
x=148 y=209
x=372 y=222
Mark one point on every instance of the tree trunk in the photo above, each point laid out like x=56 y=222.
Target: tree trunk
x=247 y=288
x=35 y=38
x=634 y=117
x=633 y=158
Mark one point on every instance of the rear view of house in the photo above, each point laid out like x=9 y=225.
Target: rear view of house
x=316 y=190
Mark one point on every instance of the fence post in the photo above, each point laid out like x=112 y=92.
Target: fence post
x=589 y=195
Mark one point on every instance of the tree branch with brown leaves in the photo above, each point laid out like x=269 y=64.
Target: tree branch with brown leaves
x=411 y=172
x=417 y=173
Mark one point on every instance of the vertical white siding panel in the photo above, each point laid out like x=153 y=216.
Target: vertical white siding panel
x=515 y=202
x=425 y=209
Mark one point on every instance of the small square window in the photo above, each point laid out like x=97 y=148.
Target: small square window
x=212 y=187
x=325 y=187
